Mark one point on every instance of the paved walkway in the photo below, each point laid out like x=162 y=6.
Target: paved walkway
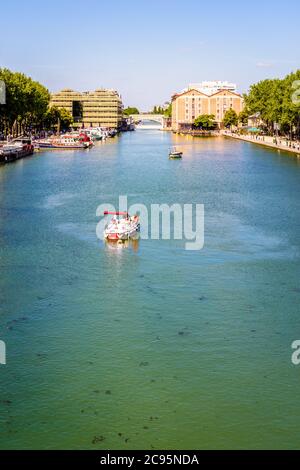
x=282 y=144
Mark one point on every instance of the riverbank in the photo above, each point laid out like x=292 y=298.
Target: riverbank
x=198 y=133
x=267 y=141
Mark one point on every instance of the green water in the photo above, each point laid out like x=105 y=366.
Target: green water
x=150 y=346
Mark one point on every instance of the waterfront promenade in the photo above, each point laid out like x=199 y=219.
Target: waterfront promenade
x=267 y=141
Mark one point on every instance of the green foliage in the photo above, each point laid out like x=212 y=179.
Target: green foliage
x=26 y=102
x=130 y=110
x=66 y=119
x=230 y=118
x=168 y=111
x=205 y=122
x=157 y=110
x=243 y=117
x=58 y=117
x=276 y=101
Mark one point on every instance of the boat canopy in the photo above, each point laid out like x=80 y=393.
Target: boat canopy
x=115 y=213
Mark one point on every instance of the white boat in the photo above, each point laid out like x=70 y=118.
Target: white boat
x=66 y=141
x=174 y=153
x=104 y=133
x=94 y=133
x=122 y=226
x=18 y=148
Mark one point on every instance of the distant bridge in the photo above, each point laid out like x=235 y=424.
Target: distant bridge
x=153 y=118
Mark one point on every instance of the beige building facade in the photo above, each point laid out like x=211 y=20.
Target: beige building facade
x=101 y=107
x=190 y=104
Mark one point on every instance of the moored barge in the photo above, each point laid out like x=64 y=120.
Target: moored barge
x=18 y=148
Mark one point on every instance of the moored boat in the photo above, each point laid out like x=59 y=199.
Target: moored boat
x=112 y=132
x=174 y=153
x=122 y=226
x=18 y=148
x=94 y=133
x=66 y=142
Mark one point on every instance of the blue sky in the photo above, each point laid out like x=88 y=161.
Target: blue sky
x=149 y=49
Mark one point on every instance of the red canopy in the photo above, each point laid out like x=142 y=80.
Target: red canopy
x=115 y=213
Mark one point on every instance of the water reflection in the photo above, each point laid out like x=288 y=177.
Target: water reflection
x=120 y=245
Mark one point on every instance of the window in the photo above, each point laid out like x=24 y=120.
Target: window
x=77 y=110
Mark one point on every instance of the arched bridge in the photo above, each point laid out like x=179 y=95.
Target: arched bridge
x=154 y=118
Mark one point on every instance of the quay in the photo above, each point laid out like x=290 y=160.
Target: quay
x=277 y=143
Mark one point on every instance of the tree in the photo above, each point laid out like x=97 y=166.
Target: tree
x=264 y=97
x=130 y=110
x=157 y=110
x=205 y=122
x=58 y=118
x=276 y=103
x=230 y=118
x=243 y=117
x=290 y=104
x=66 y=119
x=26 y=103
x=168 y=111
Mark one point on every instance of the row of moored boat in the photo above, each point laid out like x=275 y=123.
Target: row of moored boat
x=82 y=139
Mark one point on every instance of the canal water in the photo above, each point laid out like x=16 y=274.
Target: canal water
x=150 y=345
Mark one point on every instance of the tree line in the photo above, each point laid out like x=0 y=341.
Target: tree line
x=164 y=110
x=26 y=108
x=277 y=102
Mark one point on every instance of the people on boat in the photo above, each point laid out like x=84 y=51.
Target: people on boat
x=121 y=228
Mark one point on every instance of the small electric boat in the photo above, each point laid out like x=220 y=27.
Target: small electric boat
x=175 y=154
x=122 y=226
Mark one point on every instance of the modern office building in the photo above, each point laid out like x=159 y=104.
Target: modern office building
x=101 y=107
x=210 y=88
x=189 y=104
